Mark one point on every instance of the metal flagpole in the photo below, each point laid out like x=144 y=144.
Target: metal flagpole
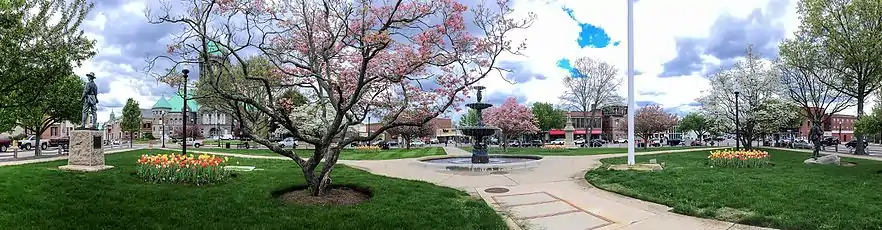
x=631 y=105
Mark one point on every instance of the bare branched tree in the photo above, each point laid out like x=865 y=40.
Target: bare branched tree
x=593 y=86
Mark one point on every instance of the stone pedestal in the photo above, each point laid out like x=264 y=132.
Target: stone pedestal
x=86 y=153
x=568 y=133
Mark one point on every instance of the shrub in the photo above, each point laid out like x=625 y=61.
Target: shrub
x=738 y=158
x=184 y=169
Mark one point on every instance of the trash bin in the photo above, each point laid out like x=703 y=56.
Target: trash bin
x=228 y=144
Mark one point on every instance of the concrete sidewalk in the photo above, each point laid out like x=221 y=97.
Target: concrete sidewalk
x=553 y=195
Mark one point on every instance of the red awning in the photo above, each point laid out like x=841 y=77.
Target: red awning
x=577 y=132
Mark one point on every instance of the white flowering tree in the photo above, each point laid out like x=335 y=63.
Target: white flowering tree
x=760 y=109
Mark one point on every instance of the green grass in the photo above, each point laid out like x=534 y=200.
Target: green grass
x=573 y=152
x=790 y=195
x=346 y=154
x=39 y=196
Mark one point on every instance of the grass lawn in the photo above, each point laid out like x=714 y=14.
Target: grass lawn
x=790 y=195
x=573 y=152
x=346 y=154
x=39 y=196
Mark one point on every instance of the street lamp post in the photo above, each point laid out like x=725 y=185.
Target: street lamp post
x=185 y=110
x=163 y=128
x=840 y=136
x=737 y=124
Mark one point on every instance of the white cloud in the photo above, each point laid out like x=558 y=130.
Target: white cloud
x=657 y=23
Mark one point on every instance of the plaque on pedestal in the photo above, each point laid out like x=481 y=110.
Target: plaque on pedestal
x=86 y=153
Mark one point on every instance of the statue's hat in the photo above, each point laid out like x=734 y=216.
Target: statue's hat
x=91 y=75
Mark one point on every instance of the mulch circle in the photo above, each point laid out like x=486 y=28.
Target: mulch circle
x=335 y=196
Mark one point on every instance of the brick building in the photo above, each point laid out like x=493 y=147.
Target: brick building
x=838 y=126
x=606 y=123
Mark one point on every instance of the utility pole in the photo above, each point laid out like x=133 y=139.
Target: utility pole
x=631 y=104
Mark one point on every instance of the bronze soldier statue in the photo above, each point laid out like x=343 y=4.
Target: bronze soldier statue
x=90 y=100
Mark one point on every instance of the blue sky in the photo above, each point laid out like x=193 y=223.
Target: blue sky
x=677 y=42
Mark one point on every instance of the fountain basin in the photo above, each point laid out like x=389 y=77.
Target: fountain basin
x=497 y=163
x=478 y=131
x=478 y=105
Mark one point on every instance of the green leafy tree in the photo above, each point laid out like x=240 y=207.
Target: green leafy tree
x=131 y=120
x=469 y=119
x=60 y=102
x=846 y=38
x=548 y=116
x=40 y=41
x=697 y=123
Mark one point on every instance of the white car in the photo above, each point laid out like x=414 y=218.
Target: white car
x=192 y=142
x=417 y=143
x=288 y=142
x=557 y=142
x=226 y=137
x=579 y=142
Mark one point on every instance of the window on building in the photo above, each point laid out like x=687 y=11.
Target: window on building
x=53 y=131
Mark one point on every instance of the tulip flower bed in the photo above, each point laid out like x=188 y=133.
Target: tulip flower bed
x=730 y=158
x=182 y=169
x=554 y=148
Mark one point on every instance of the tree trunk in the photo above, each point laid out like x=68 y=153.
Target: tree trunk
x=407 y=143
x=318 y=184
x=504 y=143
x=130 y=139
x=37 y=150
x=859 y=139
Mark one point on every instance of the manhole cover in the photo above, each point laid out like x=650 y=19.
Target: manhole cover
x=496 y=190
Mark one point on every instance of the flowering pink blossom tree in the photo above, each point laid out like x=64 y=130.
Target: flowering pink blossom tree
x=512 y=119
x=652 y=119
x=351 y=59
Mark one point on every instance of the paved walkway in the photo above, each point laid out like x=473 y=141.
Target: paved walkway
x=553 y=195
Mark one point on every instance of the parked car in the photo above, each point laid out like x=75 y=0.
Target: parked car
x=192 y=142
x=514 y=143
x=59 y=142
x=30 y=142
x=557 y=142
x=655 y=142
x=802 y=144
x=536 y=143
x=675 y=142
x=5 y=143
x=579 y=142
x=417 y=143
x=595 y=143
x=853 y=144
x=830 y=141
x=288 y=142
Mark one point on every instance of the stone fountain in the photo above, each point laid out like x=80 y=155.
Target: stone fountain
x=479 y=132
x=480 y=160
